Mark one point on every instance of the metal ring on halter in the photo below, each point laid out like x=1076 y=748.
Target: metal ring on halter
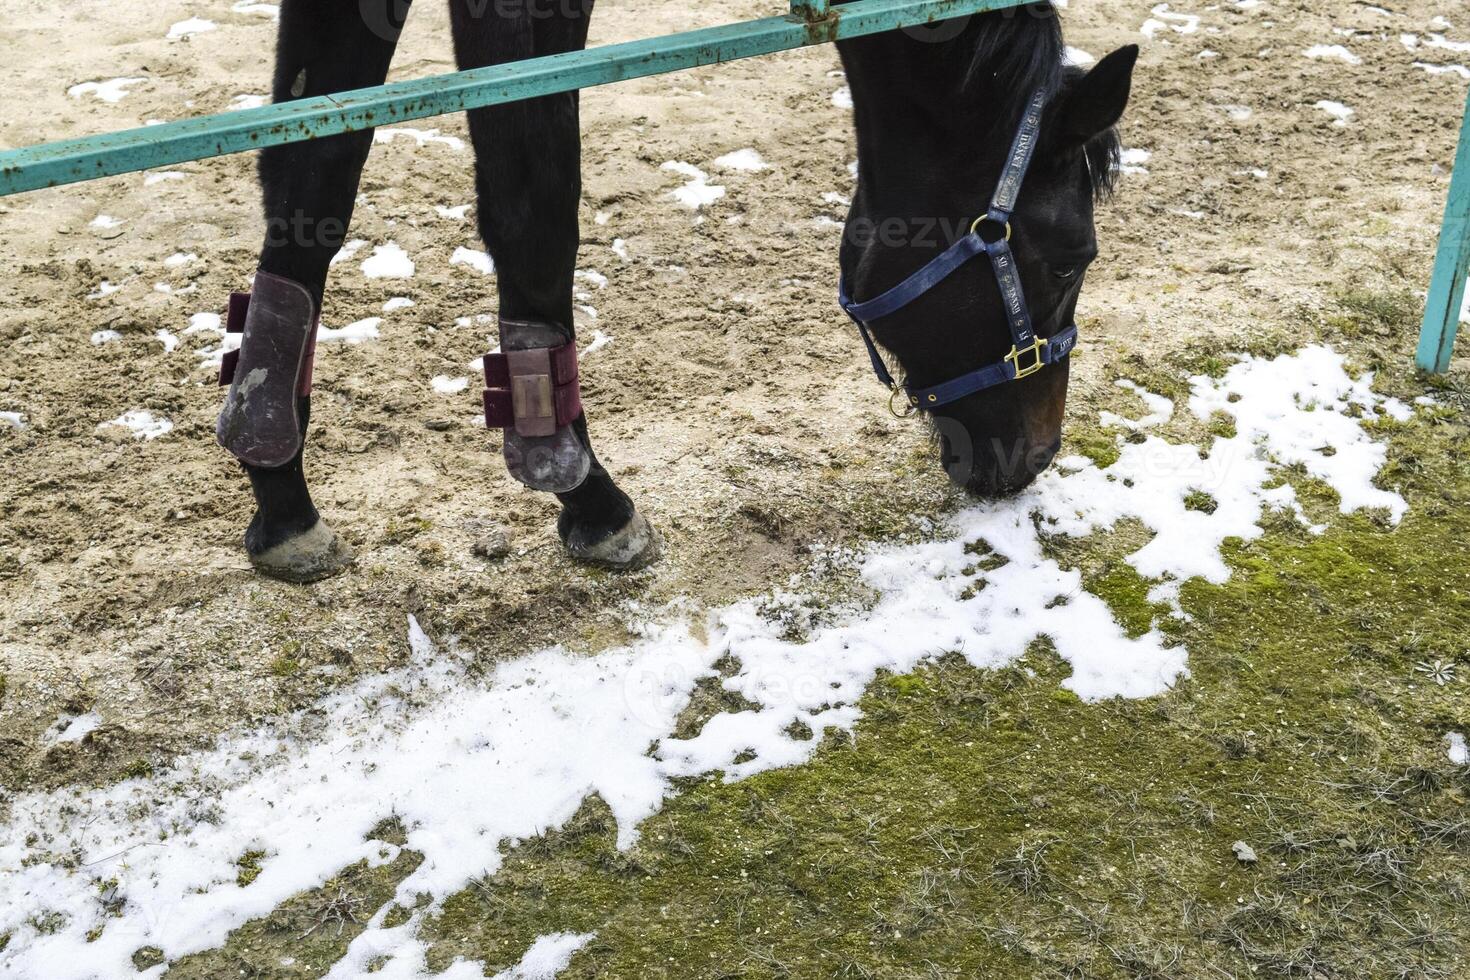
x=911 y=405
x=975 y=225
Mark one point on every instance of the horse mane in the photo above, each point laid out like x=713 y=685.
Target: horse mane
x=1013 y=53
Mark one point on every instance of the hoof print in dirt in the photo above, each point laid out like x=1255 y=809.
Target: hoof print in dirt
x=309 y=557
x=636 y=545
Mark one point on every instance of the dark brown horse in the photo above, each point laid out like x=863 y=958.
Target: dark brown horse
x=935 y=111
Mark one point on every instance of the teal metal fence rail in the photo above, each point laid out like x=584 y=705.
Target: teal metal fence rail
x=1451 y=265
x=810 y=22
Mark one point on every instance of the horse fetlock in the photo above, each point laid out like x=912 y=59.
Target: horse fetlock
x=532 y=392
x=260 y=423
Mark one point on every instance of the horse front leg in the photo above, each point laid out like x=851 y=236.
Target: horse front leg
x=528 y=181
x=309 y=188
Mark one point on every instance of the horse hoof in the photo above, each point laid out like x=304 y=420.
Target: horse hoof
x=634 y=546
x=310 y=556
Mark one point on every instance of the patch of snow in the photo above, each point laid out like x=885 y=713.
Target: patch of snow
x=1078 y=57
x=456 y=213
x=72 y=728
x=746 y=159
x=589 y=275
x=1340 y=113
x=111 y=90
x=1132 y=160
x=104 y=289
x=397 y=303
x=142 y=423
x=15 y=420
x=271 y=10
x=1164 y=19
x=348 y=251
x=547 y=957
x=162 y=176
x=698 y=192
x=445 y=385
x=388 y=262
x=1332 y=52
x=356 y=332
x=188 y=28
x=105 y=222
x=248 y=102
x=599 y=341
x=620 y=249
x=1161 y=409
x=100 y=337
x=205 y=323
x=1439 y=41
x=475 y=259
x=168 y=339
x=180 y=259
x=1456 y=749
x=1460 y=70
x=422 y=137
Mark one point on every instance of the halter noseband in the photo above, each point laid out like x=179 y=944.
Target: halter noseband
x=1029 y=353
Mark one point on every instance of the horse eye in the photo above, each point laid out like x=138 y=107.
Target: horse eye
x=1064 y=271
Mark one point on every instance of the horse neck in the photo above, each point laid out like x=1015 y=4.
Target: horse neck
x=925 y=147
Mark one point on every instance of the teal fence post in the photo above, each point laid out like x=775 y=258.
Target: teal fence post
x=1451 y=265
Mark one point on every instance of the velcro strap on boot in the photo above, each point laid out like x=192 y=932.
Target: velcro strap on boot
x=239 y=308
x=535 y=391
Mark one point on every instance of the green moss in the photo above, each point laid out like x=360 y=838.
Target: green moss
x=1097 y=446
x=138 y=769
x=285 y=667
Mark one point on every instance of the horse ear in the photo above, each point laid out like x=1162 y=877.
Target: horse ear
x=1096 y=102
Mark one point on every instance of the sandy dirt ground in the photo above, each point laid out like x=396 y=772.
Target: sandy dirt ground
x=732 y=399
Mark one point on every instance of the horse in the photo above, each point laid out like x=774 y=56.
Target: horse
x=944 y=115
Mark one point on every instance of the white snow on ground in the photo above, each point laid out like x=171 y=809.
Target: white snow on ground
x=397 y=303
x=15 y=420
x=599 y=341
x=205 y=323
x=1160 y=408
x=105 y=222
x=445 y=385
x=248 y=102
x=1078 y=57
x=72 y=728
x=1340 y=113
x=456 y=213
x=110 y=90
x=1456 y=749
x=100 y=337
x=698 y=191
x=620 y=249
x=168 y=339
x=188 y=28
x=471 y=763
x=591 y=275
x=1164 y=19
x=105 y=288
x=474 y=258
x=180 y=259
x=746 y=159
x=142 y=423
x=1460 y=70
x=842 y=98
x=1132 y=160
x=423 y=137
x=162 y=176
x=1332 y=52
x=348 y=250
x=270 y=10
x=356 y=332
x=388 y=261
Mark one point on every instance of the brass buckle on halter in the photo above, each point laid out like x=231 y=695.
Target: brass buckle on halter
x=911 y=406
x=1023 y=370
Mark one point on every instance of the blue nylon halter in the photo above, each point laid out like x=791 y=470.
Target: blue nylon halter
x=1037 y=351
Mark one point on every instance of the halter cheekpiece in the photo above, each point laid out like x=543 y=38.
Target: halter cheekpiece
x=1029 y=353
